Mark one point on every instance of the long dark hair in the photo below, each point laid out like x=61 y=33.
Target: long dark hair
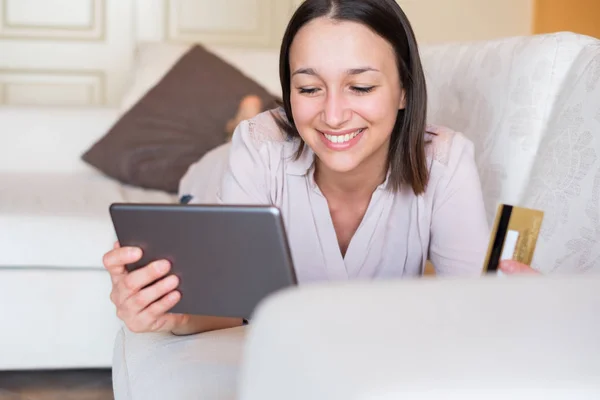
x=406 y=154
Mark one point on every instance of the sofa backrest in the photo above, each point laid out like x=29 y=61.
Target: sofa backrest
x=564 y=180
x=519 y=100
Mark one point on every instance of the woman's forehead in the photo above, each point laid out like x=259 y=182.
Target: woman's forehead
x=325 y=41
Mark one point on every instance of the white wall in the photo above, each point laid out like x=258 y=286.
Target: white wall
x=79 y=52
x=438 y=21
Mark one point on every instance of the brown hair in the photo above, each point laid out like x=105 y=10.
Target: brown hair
x=406 y=154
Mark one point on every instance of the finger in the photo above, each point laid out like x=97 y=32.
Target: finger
x=154 y=318
x=168 y=322
x=116 y=245
x=142 y=277
x=114 y=261
x=512 y=267
x=142 y=299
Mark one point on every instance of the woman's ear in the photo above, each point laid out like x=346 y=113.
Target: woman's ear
x=402 y=104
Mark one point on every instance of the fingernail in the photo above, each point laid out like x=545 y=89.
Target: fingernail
x=136 y=252
x=507 y=266
x=162 y=266
x=172 y=281
x=173 y=296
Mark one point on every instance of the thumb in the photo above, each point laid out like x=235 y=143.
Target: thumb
x=514 y=267
x=170 y=322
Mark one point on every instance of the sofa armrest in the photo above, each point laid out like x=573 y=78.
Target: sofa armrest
x=564 y=181
x=426 y=339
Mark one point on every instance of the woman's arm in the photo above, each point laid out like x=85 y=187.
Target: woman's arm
x=246 y=180
x=459 y=229
x=192 y=324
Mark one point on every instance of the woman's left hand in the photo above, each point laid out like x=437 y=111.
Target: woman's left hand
x=510 y=267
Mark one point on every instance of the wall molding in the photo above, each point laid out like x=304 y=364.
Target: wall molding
x=269 y=14
x=91 y=82
x=95 y=30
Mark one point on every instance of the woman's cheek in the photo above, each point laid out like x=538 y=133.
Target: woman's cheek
x=377 y=108
x=304 y=110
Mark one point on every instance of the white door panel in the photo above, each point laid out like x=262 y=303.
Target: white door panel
x=238 y=23
x=64 y=52
x=80 y=52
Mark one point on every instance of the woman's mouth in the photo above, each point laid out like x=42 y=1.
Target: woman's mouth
x=342 y=141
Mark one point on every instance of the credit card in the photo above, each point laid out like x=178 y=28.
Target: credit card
x=514 y=236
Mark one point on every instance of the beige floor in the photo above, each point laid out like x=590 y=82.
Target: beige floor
x=56 y=385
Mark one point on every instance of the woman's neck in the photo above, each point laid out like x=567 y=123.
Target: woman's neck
x=356 y=183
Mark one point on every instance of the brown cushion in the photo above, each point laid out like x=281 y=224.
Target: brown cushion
x=175 y=123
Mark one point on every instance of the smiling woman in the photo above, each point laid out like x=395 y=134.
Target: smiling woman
x=358 y=79
x=367 y=190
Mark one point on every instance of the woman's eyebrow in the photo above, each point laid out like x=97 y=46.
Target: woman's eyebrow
x=307 y=71
x=358 y=71
x=351 y=71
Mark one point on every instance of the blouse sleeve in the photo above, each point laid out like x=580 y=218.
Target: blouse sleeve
x=459 y=229
x=246 y=179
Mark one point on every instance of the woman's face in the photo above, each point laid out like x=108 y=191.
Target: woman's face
x=345 y=93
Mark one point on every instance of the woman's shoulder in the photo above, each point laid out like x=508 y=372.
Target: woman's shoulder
x=445 y=146
x=265 y=128
x=256 y=161
x=262 y=140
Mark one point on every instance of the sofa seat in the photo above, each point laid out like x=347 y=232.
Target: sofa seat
x=63 y=215
x=203 y=366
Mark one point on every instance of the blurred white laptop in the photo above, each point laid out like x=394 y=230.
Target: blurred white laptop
x=489 y=338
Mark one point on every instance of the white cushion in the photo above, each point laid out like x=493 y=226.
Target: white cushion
x=564 y=180
x=500 y=94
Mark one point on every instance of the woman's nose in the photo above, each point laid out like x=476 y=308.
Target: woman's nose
x=335 y=111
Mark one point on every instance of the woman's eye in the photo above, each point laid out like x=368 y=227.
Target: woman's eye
x=308 y=90
x=363 y=89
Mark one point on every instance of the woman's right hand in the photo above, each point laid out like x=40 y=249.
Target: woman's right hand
x=141 y=307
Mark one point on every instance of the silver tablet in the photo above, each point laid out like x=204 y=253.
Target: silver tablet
x=228 y=257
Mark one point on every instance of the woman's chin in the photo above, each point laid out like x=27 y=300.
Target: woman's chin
x=339 y=163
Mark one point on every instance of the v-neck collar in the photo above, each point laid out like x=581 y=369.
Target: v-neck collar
x=351 y=265
x=339 y=266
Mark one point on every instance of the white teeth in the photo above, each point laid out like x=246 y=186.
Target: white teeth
x=343 y=138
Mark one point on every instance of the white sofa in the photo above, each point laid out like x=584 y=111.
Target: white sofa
x=54 y=228
x=54 y=221
x=532 y=107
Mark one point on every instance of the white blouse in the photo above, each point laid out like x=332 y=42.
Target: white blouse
x=399 y=232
